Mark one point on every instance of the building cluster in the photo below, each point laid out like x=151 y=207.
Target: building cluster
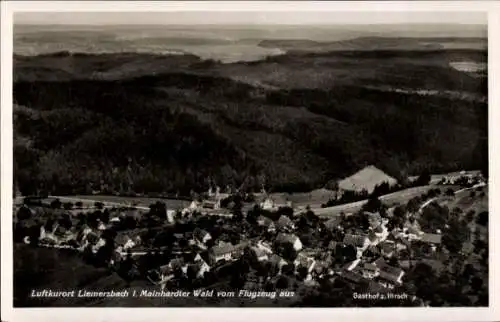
x=271 y=242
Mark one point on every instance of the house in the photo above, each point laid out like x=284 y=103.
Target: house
x=291 y=239
x=274 y=203
x=412 y=227
x=101 y=226
x=212 y=203
x=431 y=238
x=370 y=270
x=359 y=241
x=391 y=275
x=352 y=277
x=387 y=248
x=101 y=242
x=165 y=272
x=285 y=224
x=226 y=251
x=201 y=236
x=259 y=254
x=265 y=247
x=374 y=219
x=321 y=268
x=306 y=262
x=198 y=269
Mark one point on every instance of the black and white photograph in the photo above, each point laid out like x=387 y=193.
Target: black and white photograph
x=263 y=159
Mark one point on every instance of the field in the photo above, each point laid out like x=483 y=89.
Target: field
x=390 y=200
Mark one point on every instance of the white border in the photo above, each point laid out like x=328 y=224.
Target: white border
x=219 y=314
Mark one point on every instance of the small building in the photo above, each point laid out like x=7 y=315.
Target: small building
x=274 y=203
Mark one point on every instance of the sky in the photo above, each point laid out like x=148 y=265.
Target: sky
x=248 y=18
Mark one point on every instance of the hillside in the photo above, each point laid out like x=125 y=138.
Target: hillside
x=294 y=121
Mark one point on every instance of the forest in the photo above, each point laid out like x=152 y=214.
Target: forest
x=174 y=131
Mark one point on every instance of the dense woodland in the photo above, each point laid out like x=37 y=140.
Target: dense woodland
x=172 y=132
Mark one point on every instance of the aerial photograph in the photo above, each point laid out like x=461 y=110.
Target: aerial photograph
x=250 y=159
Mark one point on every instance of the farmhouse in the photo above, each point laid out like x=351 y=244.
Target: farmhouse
x=226 y=251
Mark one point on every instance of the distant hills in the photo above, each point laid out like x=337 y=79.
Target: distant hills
x=377 y=43
x=156 y=123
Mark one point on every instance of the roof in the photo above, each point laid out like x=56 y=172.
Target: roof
x=352 y=277
x=354 y=240
x=226 y=248
x=380 y=262
x=286 y=238
x=366 y=179
x=387 y=247
x=431 y=238
x=199 y=233
x=396 y=271
x=370 y=266
x=258 y=252
x=413 y=228
x=391 y=276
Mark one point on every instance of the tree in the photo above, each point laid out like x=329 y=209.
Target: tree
x=68 y=206
x=424 y=179
x=482 y=219
x=23 y=213
x=99 y=205
x=56 y=204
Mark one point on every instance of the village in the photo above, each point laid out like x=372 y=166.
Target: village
x=223 y=240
